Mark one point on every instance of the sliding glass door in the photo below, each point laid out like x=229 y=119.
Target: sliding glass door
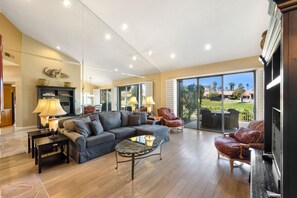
x=105 y=99
x=188 y=102
x=125 y=95
x=210 y=103
x=217 y=103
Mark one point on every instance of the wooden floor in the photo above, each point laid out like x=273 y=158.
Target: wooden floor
x=190 y=168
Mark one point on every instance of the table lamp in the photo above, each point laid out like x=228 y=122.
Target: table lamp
x=43 y=119
x=133 y=102
x=149 y=102
x=53 y=108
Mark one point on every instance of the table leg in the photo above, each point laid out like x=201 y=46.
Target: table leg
x=29 y=146
x=32 y=140
x=161 y=151
x=116 y=155
x=39 y=161
x=68 y=153
x=133 y=163
x=36 y=159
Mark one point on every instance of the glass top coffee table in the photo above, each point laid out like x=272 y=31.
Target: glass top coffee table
x=137 y=148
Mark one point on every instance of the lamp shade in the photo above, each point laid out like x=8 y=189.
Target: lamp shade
x=53 y=108
x=40 y=106
x=133 y=101
x=149 y=100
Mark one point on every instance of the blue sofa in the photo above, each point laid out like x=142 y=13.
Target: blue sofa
x=116 y=128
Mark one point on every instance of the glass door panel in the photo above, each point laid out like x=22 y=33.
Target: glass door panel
x=188 y=102
x=239 y=100
x=210 y=103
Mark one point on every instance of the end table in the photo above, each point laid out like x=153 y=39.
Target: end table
x=32 y=135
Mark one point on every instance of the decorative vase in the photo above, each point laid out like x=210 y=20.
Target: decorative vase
x=42 y=82
x=67 y=84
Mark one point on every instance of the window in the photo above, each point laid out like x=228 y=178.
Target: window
x=105 y=99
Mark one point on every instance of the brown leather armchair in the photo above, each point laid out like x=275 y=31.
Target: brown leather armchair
x=235 y=146
x=89 y=109
x=169 y=119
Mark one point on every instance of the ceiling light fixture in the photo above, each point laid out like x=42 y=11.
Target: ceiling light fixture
x=134 y=58
x=107 y=36
x=150 y=53
x=130 y=66
x=115 y=69
x=67 y=3
x=172 y=56
x=125 y=27
x=207 y=47
x=58 y=47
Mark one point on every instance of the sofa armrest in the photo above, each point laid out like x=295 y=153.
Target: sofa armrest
x=76 y=138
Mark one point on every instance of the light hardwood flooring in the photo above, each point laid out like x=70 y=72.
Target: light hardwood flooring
x=190 y=168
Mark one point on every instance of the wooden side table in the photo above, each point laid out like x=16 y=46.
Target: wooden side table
x=156 y=119
x=32 y=135
x=45 y=145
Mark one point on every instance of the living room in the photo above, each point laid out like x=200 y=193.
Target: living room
x=218 y=74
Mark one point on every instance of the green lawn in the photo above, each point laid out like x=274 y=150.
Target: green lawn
x=228 y=104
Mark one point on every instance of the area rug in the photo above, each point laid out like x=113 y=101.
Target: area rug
x=25 y=187
x=13 y=143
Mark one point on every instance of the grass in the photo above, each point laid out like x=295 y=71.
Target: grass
x=228 y=104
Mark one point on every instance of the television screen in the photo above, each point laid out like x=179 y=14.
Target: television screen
x=276 y=138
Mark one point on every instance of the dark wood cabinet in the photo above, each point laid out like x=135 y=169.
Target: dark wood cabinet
x=65 y=94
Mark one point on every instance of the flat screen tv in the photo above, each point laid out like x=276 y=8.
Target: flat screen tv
x=276 y=140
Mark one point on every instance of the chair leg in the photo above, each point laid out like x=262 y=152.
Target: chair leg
x=218 y=155
x=231 y=165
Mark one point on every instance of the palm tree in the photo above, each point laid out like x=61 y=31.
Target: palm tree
x=232 y=85
x=247 y=86
x=214 y=85
x=240 y=85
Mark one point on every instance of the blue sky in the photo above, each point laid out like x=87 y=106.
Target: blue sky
x=243 y=78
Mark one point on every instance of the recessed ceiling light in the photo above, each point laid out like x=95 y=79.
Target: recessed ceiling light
x=172 y=56
x=58 y=47
x=125 y=27
x=134 y=58
x=207 y=47
x=67 y=3
x=150 y=53
x=107 y=36
x=130 y=66
x=116 y=69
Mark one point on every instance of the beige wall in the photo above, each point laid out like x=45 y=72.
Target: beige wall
x=32 y=67
x=159 y=79
x=12 y=39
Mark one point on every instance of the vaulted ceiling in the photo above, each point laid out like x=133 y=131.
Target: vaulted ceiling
x=91 y=31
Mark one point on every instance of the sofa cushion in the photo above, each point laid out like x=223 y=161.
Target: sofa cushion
x=96 y=127
x=228 y=145
x=143 y=117
x=246 y=135
x=70 y=126
x=125 y=118
x=123 y=132
x=83 y=128
x=134 y=120
x=169 y=116
x=94 y=117
x=110 y=119
x=99 y=139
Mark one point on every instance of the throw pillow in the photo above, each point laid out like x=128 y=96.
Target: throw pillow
x=143 y=117
x=134 y=120
x=70 y=126
x=94 y=117
x=125 y=118
x=96 y=127
x=83 y=128
x=247 y=136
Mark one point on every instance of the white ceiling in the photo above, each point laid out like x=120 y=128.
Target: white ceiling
x=232 y=27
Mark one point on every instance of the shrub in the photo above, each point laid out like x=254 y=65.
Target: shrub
x=214 y=96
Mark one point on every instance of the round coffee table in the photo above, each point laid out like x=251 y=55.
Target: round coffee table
x=137 y=148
